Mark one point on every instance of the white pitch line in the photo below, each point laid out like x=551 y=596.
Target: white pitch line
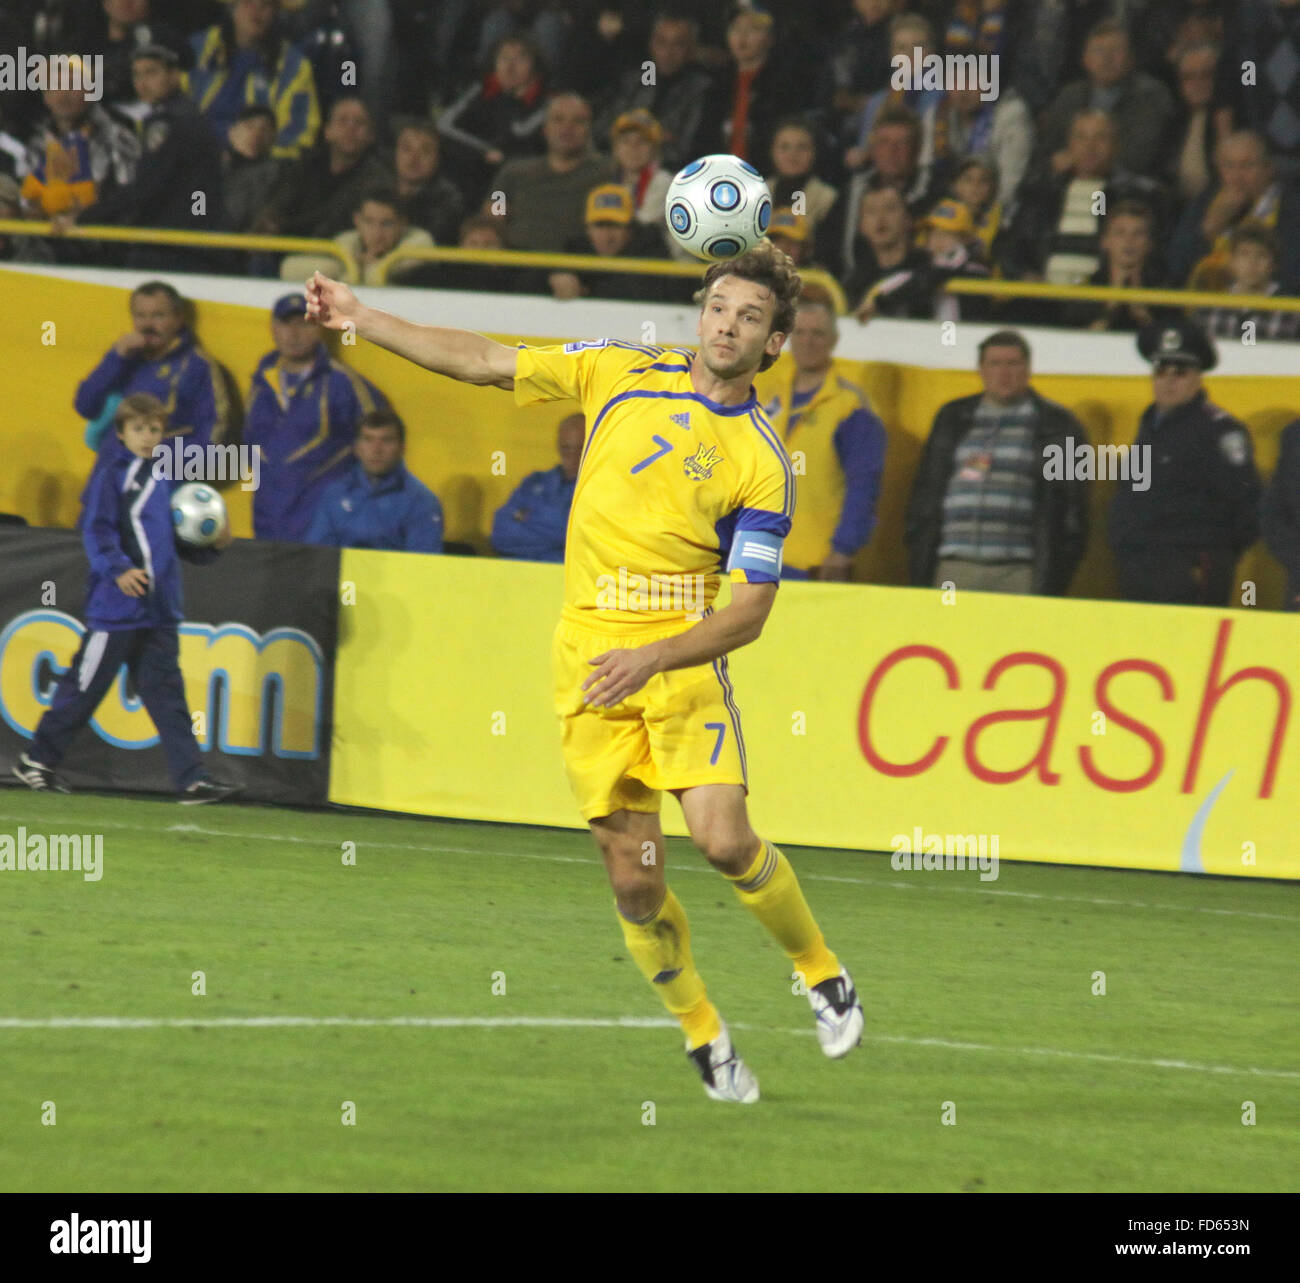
x=581 y=1022
x=892 y=884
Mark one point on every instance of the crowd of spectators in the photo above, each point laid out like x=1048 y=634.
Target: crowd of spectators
x=1127 y=142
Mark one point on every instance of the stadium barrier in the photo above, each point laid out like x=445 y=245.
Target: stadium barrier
x=473 y=446
x=883 y=719
x=257 y=652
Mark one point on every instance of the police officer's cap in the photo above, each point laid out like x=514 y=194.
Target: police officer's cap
x=1182 y=342
x=158 y=53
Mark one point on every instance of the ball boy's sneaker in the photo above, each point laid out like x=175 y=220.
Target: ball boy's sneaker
x=38 y=777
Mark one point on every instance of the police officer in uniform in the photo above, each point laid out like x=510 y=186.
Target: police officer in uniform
x=1179 y=539
x=178 y=182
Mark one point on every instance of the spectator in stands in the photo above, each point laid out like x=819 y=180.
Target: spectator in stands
x=859 y=55
x=115 y=29
x=952 y=249
x=1139 y=104
x=178 y=180
x=976 y=184
x=1178 y=538
x=317 y=194
x=478 y=231
x=753 y=91
x=160 y=355
x=1168 y=27
x=676 y=96
x=634 y=142
x=433 y=202
x=1246 y=187
x=250 y=171
x=79 y=154
x=1280 y=516
x=793 y=182
x=19 y=249
x=1267 y=35
x=246 y=59
x=611 y=231
x=303 y=412
x=1001 y=130
x=545 y=196
x=828 y=424
x=1128 y=261
x=378 y=504
x=1252 y=263
x=908 y=32
x=1056 y=235
x=790 y=233
x=1202 y=119
x=884 y=244
x=983 y=515
x=531 y=524
x=499 y=119
x=379 y=226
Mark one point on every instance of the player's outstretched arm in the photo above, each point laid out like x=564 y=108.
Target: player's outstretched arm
x=459 y=354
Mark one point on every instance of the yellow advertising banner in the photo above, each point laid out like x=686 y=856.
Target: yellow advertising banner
x=886 y=719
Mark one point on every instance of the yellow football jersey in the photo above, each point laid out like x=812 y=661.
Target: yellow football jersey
x=673 y=488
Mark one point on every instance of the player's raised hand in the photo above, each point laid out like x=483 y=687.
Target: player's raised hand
x=331 y=303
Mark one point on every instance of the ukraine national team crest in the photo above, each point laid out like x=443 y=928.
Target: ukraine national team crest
x=699 y=467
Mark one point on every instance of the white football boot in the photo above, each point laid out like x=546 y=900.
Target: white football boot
x=839 y=1015
x=726 y=1076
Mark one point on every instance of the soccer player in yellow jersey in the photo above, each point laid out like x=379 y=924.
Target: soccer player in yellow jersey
x=681 y=478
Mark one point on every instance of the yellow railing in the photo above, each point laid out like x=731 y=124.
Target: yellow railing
x=582 y=263
x=201 y=240
x=1117 y=294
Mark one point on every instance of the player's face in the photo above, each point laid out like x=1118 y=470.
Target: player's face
x=296 y=338
x=1174 y=383
x=735 y=327
x=141 y=435
x=156 y=320
x=417 y=156
x=813 y=339
x=1005 y=373
x=379 y=450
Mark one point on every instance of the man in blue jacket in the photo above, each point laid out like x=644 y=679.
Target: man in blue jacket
x=303 y=412
x=133 y=607
x=379 y=504
x=161 y=356
x=532 y=523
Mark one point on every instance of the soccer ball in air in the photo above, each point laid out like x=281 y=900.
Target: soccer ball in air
x=718 y=207
x=198 y=513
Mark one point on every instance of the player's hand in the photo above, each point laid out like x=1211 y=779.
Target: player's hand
x=130 y=344
x=133 y=582
x=835 y=566
x=331 y=303
x=620 y=673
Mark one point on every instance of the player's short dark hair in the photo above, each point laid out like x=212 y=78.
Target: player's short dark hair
x=1005 y=338
x=160 y=287
x=139 y=405
x=767 y=265
x=383 y=419
x=384 y=196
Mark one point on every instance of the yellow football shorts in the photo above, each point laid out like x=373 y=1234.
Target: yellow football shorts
x=680 y=729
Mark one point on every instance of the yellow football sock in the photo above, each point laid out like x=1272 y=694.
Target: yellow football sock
x=770 y=891
x=660 y=946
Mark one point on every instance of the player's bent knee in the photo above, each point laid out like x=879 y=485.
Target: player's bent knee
x=730 y=853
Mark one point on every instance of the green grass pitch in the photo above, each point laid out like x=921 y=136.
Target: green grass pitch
x=978 y=994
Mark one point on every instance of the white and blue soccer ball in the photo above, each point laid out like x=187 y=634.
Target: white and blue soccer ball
x=198 y=513
x=718 y=207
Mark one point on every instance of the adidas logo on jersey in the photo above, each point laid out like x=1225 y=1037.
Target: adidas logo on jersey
x=682 y=420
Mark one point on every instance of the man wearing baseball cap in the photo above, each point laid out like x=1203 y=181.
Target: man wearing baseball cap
x=610 y=231
x=303 y=412
x=1179 y=530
